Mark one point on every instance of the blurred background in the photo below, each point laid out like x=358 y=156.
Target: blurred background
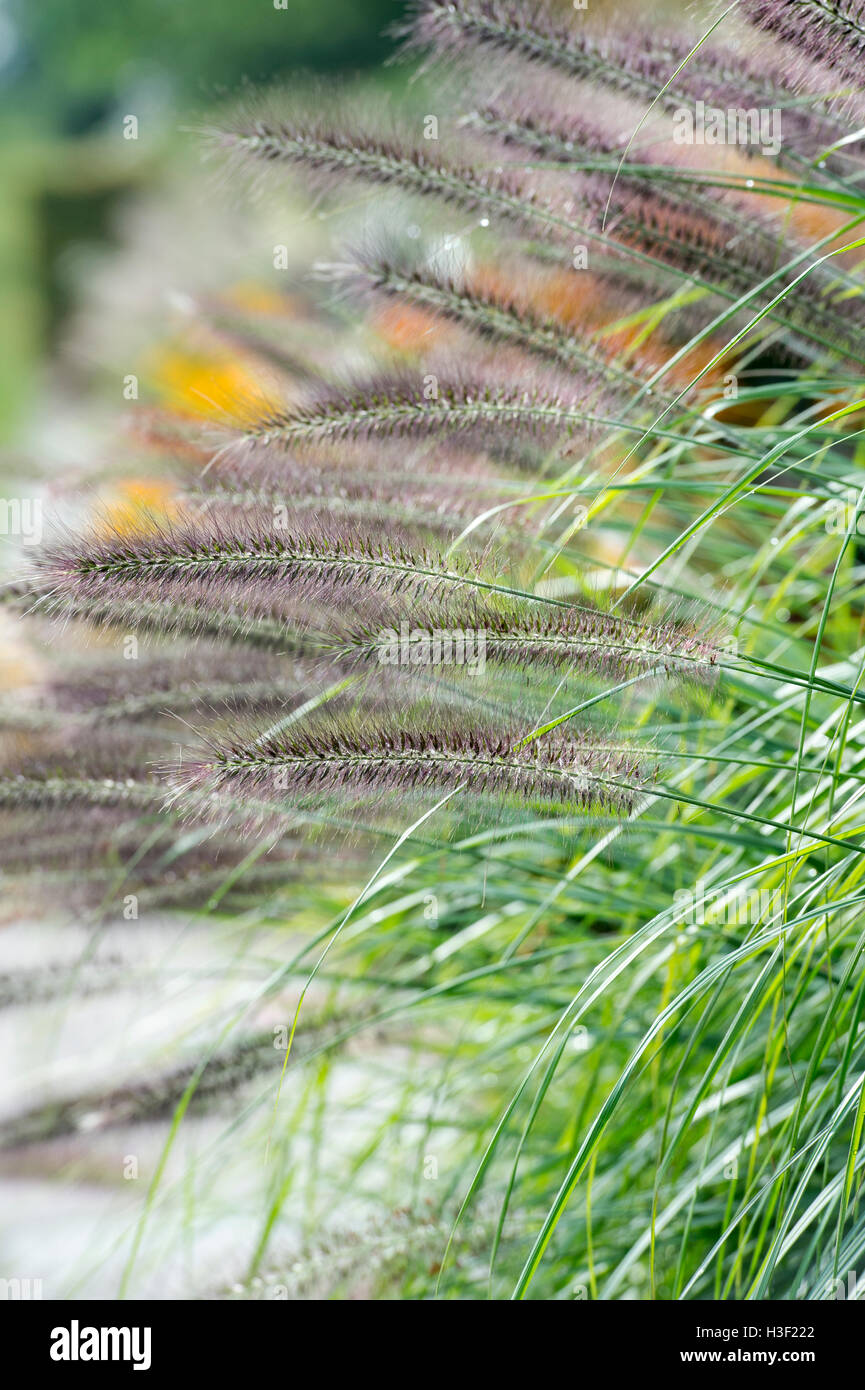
x=69 y=76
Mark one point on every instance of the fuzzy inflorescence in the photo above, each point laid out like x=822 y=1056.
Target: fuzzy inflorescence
x=438 y=589
x=372 y=756
x=330 y=152
x=643 y=229
x=403 y=407
x=531 y=33
x=832 y=31
x=502 y=312
x=250 y=557
x=185 y=679
x=518 y=635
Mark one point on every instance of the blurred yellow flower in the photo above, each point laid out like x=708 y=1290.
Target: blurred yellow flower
x=204 y=385
x=136 y=505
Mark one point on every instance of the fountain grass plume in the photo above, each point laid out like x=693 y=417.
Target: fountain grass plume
x=831 y=32
x=185 y=679
x=353 y=144
x=375 y=755
x=579 y=641
x=145 y=1098
x=437 y=402
x=501 y=310
x=641 y=228
x=534 y=35
x=253 y=620
x=640 y=63
x=248 y=558
x=434 y=489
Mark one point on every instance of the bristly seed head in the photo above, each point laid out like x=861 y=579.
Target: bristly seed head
x=579 y=640
x=371 y=756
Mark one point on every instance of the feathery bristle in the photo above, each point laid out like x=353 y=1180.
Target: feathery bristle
x=830 y=31
x=648 y=67
x=23 y=793
x=580 y=640
x=502 y=314
x=640 y=228
x=252 y=557
x=533 y=34
x=432 y=491
x=183 y=680
x=370 y=755
x=331 y=152
x=403 y=407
